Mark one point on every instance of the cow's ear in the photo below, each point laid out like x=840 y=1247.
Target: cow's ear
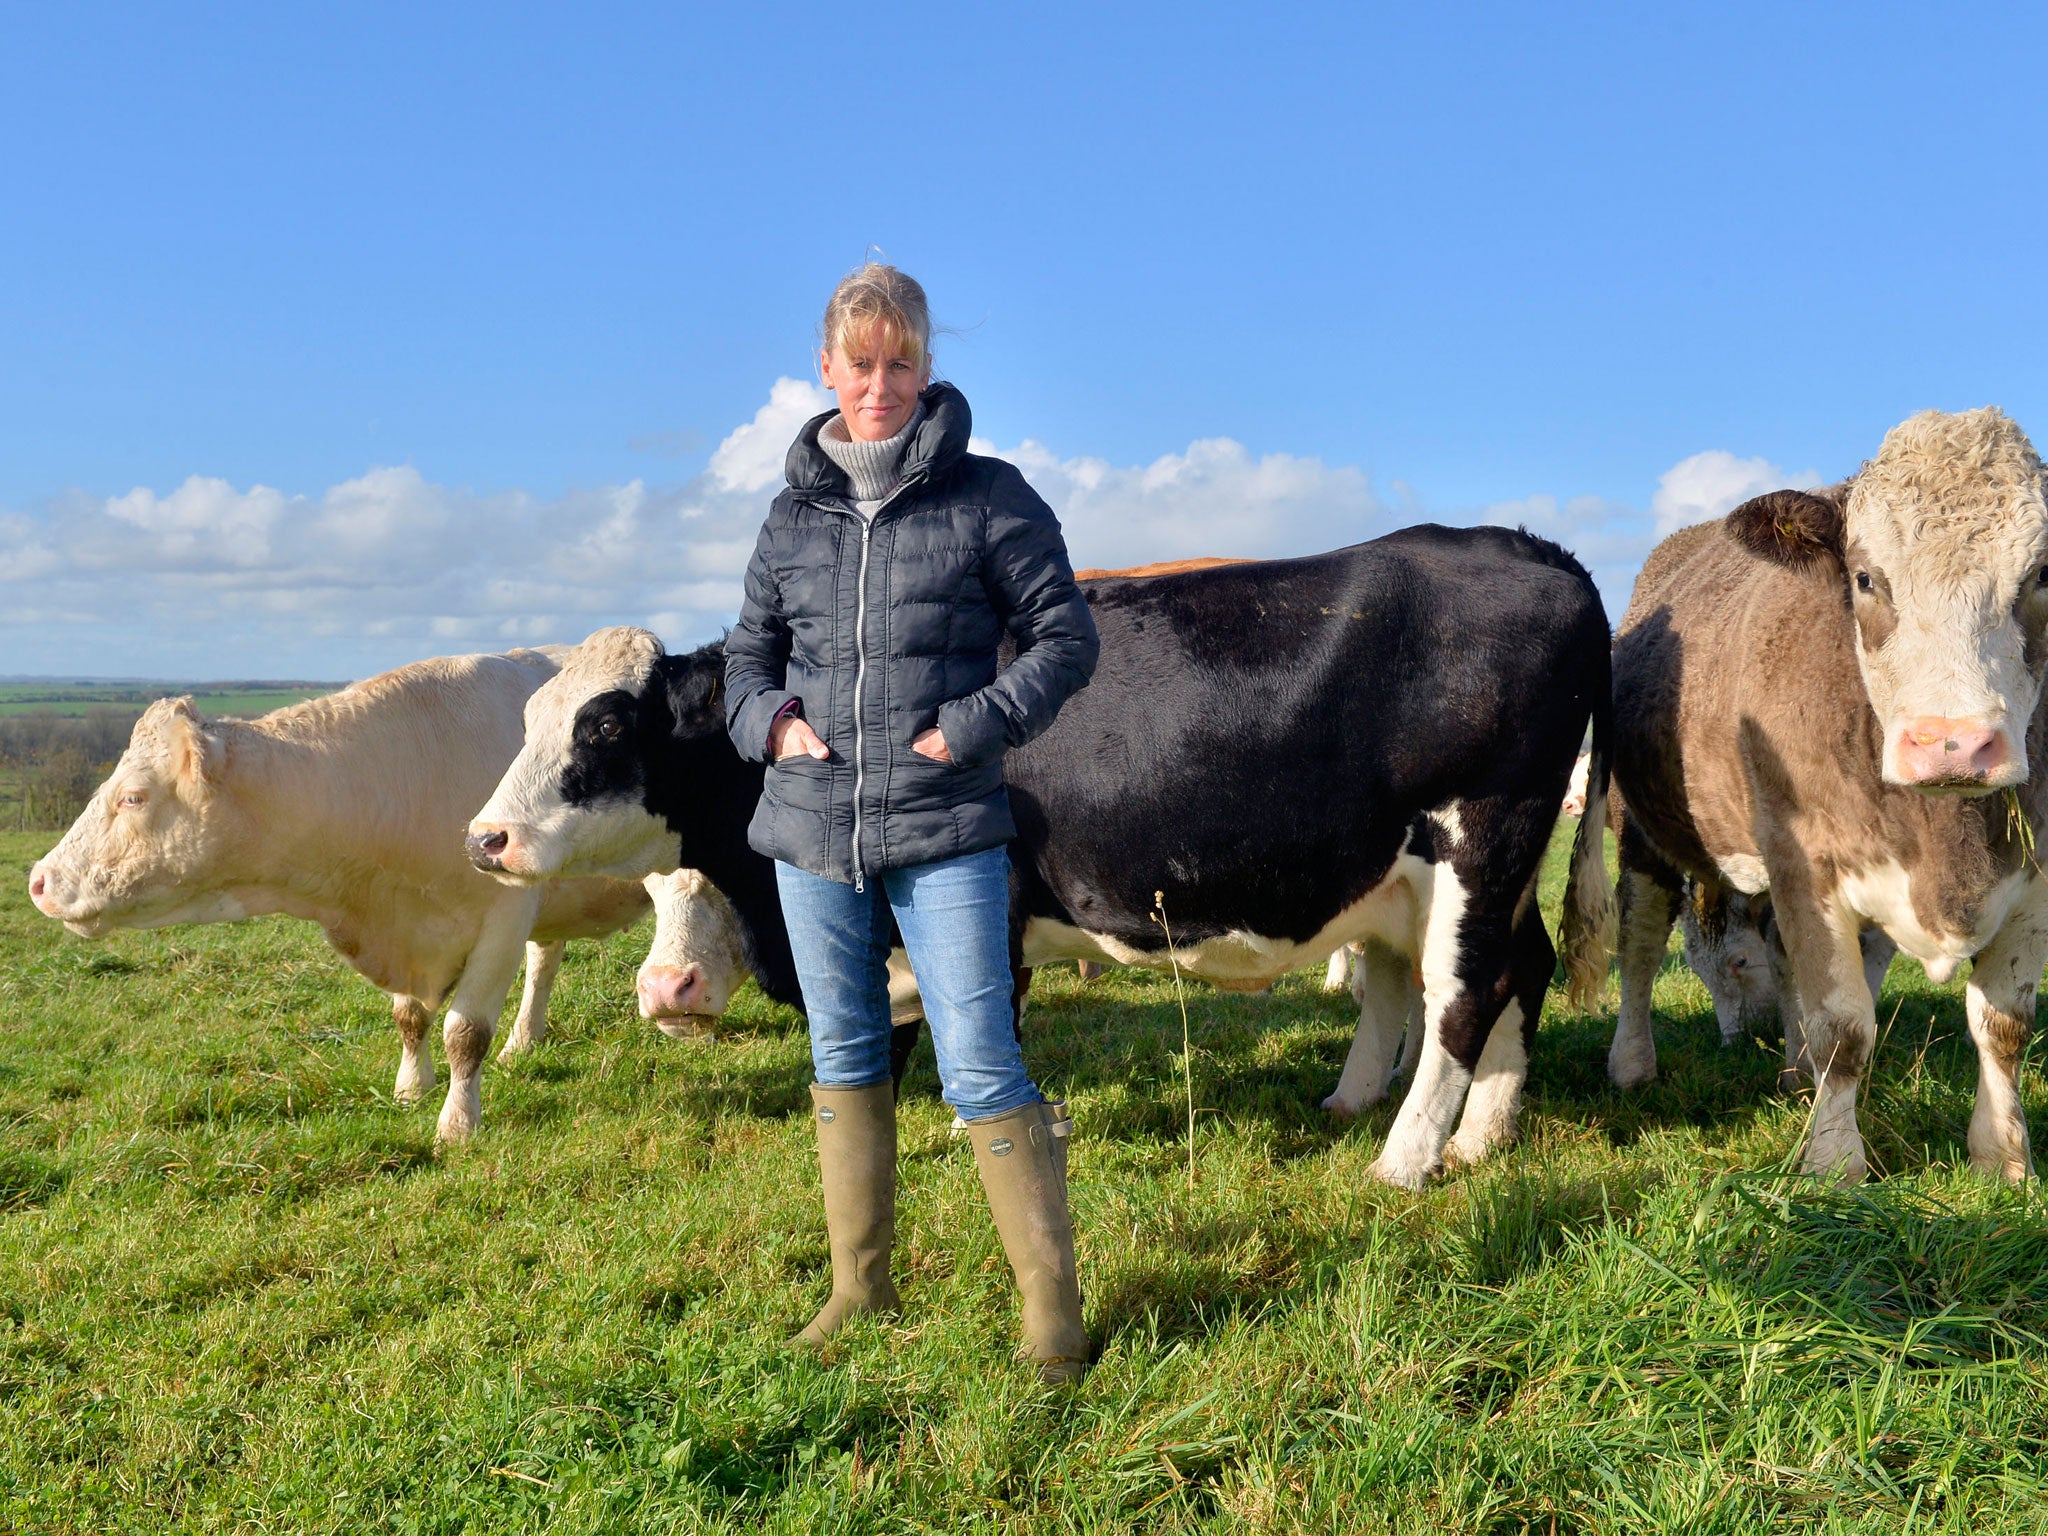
x=1794 y=528
x=196 y=751
x=696 y=693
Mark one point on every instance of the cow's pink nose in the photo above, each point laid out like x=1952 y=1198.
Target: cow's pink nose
x=37 y=882
x=668 y=991
x=1934 y=750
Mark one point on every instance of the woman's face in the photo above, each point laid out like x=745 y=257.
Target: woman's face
x=876 y=393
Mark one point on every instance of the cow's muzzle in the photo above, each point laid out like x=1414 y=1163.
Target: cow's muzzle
x=487 y=847
x=1937 y=753
x=675 y=992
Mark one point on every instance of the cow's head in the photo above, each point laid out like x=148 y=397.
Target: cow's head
x=1941 y=544
x=574 y=801
x=695 y=961
x=149 y=848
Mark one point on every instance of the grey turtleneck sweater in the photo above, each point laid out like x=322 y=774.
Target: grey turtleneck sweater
x=874 y=468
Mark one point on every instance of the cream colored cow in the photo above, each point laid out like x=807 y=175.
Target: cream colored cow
x=348 y=811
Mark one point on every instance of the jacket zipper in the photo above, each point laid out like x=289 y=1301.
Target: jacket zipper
x=860 y=678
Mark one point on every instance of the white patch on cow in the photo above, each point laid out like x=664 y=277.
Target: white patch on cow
x=1449 y=819
x=1241 y=959
x=1746 y=872
x=1414 y=1149
x=547 y=837
x=1337 y=974
x=1496 y=1093
x=1575 y=787
x=1883 y=894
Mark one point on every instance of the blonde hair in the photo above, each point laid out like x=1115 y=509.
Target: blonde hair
x=883 y=307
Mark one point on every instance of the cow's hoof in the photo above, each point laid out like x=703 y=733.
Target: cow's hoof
x=2000 y=1159
x=1629 y=1073
x=1401 y=1173
x=1464 y=1150
x=1836 y=1165
x=1340 y=1108
x=2006 y=1170
x=412 y=1087
x=458 y=1123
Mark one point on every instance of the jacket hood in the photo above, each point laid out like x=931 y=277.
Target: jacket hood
x=940 y=443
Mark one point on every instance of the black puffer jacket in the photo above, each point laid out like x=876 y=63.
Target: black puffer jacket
x=884 y=628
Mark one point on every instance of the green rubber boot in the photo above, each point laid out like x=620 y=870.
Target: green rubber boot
x=1022 y=1157
x=857 y=1158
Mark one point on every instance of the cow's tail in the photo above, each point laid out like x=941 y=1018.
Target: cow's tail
x=1589 y=923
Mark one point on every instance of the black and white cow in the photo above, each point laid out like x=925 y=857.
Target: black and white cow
x=1290 y=755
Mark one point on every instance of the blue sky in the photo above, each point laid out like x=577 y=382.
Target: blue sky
x=329 y=340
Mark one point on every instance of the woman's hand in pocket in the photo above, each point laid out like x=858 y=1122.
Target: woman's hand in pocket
x=931 y=742
x=792 y=736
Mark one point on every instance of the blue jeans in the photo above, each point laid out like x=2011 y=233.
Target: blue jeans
x=955 y=919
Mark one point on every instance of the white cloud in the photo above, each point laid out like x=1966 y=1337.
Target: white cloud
x=1714 y=483
x=1214 y=499
x=211 y=581
x=751 y=457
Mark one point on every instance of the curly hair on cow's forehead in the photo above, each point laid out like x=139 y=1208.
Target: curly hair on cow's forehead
x=1940 y=454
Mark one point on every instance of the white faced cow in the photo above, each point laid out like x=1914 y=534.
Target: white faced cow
x=1834 y=699
x=348 y=811
x=1369 y=744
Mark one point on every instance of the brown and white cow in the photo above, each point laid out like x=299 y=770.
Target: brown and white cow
x=1834 y=698
x=348 y=811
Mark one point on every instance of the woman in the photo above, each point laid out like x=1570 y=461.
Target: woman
x=864 y=672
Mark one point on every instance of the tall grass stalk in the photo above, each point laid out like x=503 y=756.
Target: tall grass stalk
x=1187 y=1049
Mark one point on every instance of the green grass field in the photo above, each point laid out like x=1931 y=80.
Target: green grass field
x=211 y=699
x=241 y=1291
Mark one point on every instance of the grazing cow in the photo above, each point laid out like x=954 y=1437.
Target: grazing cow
x=348 y=811
x=695 y=961
x=1293 y=754
x=1833 y=698
x=1727 y=947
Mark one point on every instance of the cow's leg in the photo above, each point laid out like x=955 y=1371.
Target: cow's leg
x=1337 y=974
x=479 y=999
x=1489 y=1122
x=1381 y=985
x=415 y=1061
x=1650 y=893
x=2001 y=1011
x=531 y=1026
x=1837 y=1022
x=1465 y=980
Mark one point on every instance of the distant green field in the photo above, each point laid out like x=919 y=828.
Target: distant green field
x=241 y=1291
x=211 y=698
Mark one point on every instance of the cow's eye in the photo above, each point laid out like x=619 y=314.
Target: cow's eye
x=2042 y=579
x=1863 y=581
x=609 y=729
x=131 y=799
